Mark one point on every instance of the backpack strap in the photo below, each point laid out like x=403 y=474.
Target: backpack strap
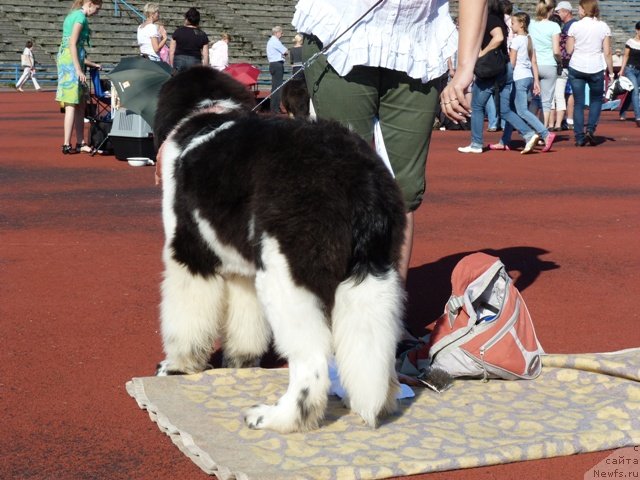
x=454 y=304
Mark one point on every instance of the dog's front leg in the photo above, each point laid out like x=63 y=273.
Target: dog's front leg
x=302 y=336
x=302 y=407
x=191 y=313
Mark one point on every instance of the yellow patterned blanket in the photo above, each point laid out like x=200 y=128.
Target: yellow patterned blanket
x=580 y=403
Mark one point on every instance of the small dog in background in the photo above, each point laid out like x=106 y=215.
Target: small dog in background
x=282 y=227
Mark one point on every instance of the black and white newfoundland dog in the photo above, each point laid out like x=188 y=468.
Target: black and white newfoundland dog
x=277 y=227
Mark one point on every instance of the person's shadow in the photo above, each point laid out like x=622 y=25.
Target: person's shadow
x=429 y=285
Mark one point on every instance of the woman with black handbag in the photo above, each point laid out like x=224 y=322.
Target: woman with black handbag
x=492 y=69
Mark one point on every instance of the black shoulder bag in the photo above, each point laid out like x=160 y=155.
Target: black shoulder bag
x=491 y=64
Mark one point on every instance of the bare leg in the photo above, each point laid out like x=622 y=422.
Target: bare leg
x=550 y=118
x=570 y=103
x=403 y=266
x=69 y=121
x=407 y=246
x=79 y=122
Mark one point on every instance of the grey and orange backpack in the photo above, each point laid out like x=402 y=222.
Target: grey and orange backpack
x=485 y=331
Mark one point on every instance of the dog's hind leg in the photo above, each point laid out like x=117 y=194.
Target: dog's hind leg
x=302 y=336
x=247 y=333
x=191 y=311
x=366 y=328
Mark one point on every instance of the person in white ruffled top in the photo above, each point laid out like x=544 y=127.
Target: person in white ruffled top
x=385 y=70
x=151 y=37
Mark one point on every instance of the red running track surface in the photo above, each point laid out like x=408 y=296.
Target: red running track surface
x=80 y=265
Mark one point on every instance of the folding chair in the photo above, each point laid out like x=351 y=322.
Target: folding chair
x=99 y=114
x=99 y=107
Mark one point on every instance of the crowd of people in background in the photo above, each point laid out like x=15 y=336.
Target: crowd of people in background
x=189 y=45
x=557 y=60
x=556 y=68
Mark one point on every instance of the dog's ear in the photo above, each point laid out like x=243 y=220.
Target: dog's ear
x=185 y=90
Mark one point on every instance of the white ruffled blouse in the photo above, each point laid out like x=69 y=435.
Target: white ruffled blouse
x=412 y=36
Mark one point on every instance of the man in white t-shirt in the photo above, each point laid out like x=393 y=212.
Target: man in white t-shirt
x=219 y=52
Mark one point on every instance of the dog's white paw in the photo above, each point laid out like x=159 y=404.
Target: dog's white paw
x=163 y=369
x=272 y=417
x=259 y=417
x=166 y=368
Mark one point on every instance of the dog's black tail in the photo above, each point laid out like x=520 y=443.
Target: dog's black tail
x=378 y=222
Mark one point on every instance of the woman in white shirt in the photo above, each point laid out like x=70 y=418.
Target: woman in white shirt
x=589 y=44
x=151 y=38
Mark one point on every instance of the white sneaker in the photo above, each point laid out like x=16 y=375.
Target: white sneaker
x=470 y=149
x=530 y=144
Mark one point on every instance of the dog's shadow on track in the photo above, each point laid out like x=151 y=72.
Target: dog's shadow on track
x=429 y=285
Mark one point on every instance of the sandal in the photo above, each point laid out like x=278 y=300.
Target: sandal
x=83 y=148
x=67 y=150
x=499 y=146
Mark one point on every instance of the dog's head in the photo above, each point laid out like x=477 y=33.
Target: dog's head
x=295 y=98
x=194 y=89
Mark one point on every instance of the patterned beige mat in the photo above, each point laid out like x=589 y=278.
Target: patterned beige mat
x=580 y=403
